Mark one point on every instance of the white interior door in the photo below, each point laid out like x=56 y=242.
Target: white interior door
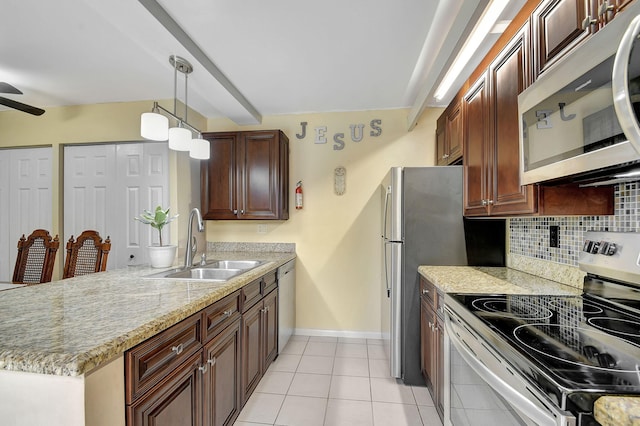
x=143 y=183
x=25 y=199
x=89 y=171
x=107 y=185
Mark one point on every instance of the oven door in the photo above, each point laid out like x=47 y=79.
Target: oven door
x=482 y=388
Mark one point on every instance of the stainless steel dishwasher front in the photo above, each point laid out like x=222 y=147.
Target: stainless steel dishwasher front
x=287 y=302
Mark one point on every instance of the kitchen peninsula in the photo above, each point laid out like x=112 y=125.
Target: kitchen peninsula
x=62 y=343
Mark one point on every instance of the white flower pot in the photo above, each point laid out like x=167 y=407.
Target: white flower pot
x=162 y=257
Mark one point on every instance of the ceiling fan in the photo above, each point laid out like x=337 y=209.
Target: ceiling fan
x=7 y=88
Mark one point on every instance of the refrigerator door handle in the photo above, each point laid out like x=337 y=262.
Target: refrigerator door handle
x=386 y=268
x=386 y=212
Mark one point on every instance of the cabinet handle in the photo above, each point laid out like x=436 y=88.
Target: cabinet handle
x=212 y=361
x=588 y=21
x=263 y=310
x=435 y=329
x=425 y=291
x=178 y=349
x=430 y=325
x=203 y=368
x=490 y=202
x=235 y=211
x=242 y=211
x=227 y=313
x=441 y=309
x=484 y=202
x=605 y=7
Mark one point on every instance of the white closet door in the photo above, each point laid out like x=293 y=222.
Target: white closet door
x=107 y=185
x=89 y=171
x=143 y=183
x=25 y=197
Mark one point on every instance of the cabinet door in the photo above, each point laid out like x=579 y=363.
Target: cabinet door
x=508 y=76
x=259 y=160
x=271 y=328
x=425 y=332
x=454 y=132
x=441 y=140
x=439 y=366
x=252 y=352
x=219 y=177
x=476 y=160
x=222 y=380
x=176 y=401
x=558 y=26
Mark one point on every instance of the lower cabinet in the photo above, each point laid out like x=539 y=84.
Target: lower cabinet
x=222 y=379
x=202 y=370
x=432 y=342
x=260 y=341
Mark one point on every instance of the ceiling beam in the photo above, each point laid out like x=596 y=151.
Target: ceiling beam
x=183 y=38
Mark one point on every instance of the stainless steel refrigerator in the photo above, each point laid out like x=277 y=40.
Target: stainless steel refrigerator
x=422 y=224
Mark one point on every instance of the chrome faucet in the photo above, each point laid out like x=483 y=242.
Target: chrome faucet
x=191 y=243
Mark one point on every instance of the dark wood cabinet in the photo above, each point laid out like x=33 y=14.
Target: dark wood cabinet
x=222 y=379
x=449 y=135
x=509 y=75
x=558 y=26
x=476 y=156
x=175 y=401
x=247 y=176
x=259 y=341
x=432 y=342
x=492 y=146
x=194 y=372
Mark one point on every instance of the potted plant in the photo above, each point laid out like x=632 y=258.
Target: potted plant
x=160 y=256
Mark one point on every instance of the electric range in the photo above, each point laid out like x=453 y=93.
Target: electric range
x=553 y=356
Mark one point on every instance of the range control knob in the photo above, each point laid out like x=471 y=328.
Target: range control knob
x=611 y=249
x=595 y=247
x=603 y=247
x=587 y=246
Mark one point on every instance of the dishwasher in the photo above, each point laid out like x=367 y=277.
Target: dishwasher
x=287 y=303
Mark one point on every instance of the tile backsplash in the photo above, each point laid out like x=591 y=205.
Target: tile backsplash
x=529 y=236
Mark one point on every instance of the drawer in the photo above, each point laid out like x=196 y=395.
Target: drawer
x=428 y=291
x=219 y=315
x=155 y=358
x=251 y=294
x=269 y=282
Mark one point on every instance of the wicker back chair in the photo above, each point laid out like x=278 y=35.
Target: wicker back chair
x=36 y=257
x=86 y=255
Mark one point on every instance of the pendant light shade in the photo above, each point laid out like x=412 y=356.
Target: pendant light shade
x=154 y=126
x=199 y=148
x=179 y=139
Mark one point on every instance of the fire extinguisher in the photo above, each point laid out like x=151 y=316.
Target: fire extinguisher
x=299 y=195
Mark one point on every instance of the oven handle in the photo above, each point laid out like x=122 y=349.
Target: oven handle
x=535 y=413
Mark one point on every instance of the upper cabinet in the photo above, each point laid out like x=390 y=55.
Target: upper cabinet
x=247 y=176
x=491 y=143
x=449 y=136
x=559 y=25
x=484 y=116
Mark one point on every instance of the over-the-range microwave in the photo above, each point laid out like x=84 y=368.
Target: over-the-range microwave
x=579 y=120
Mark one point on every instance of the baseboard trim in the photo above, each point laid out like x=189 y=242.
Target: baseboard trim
x=338 y=333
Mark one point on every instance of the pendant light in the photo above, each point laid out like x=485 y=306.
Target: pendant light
x=155 y=126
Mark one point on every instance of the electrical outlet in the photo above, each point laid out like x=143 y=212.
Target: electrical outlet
x=553 y=236
x=262 y=228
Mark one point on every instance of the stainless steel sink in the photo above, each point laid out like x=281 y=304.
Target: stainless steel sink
x=215 y=270
x=233 y=264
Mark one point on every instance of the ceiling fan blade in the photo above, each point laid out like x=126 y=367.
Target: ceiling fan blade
x=7 y=88
x=20 y=106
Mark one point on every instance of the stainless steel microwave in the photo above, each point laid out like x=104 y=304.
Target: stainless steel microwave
x=581 y=116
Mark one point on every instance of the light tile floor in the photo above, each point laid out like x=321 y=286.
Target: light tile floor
x=334 y=381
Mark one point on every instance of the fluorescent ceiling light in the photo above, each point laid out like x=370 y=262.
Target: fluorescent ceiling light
x=477 y=36
x=632 y=173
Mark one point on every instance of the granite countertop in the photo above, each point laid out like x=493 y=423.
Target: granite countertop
x=492 y=280
x=72 y=326
x=617 y=410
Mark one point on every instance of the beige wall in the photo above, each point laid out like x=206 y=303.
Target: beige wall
x=116 y=122
x=337 y=237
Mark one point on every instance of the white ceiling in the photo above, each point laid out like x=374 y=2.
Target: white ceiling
x=275 y=56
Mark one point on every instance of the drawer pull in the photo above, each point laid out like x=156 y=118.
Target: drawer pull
x=227 y=313
x=203 y=368
x=212 y=361
x=178 y=349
